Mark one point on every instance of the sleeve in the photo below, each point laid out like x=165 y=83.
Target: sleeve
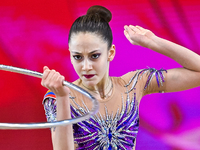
x=49 y=103
x=152 y=79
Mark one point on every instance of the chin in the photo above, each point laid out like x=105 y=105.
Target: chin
x=90 y=82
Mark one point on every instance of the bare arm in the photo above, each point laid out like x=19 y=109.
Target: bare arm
x=62 y=136
x=176 y=79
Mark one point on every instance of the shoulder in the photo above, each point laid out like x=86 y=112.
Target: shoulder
x=126 y=77
x=49 y=94
x=145 y=77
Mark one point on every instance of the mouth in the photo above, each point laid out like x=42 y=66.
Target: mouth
x=88 y=76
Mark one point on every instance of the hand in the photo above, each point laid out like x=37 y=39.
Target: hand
x=138 y=35
x=52 y=80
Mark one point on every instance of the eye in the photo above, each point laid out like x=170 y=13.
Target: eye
x=77 y=57
x=95 y=56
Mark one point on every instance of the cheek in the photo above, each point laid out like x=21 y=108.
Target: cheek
x=101 y=66
x=77 y=67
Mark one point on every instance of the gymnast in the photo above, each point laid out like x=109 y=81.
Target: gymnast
x=116 y=124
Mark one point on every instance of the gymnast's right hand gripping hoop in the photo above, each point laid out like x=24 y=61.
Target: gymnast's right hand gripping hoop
x=41 y=125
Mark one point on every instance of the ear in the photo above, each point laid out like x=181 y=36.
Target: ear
x=111 y=53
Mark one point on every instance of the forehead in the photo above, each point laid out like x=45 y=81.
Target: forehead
x=86 y=41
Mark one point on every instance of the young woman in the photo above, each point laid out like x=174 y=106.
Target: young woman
x=91 y=50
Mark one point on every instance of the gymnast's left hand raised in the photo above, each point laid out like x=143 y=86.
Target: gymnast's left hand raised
x=138 y=35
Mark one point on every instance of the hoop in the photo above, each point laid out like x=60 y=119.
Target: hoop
x=41 y=125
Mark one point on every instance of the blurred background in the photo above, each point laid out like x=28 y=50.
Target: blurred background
x=35 y=33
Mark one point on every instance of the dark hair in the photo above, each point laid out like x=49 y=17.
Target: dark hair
x=95 y=21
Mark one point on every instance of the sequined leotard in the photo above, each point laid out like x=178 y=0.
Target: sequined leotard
x=116 y=125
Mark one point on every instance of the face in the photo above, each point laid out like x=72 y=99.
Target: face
x=90 y=57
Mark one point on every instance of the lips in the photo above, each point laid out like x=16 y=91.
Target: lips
x=88 y=76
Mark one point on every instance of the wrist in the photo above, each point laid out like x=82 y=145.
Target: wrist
x=63 y=108
x=62 y=97
x=62 y=93
x=152 y=43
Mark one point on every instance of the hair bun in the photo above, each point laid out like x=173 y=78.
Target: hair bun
x=101 y=11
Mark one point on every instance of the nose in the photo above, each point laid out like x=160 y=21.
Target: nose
x=87 y=65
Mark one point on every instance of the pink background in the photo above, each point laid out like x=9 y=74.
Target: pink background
x=35 y=33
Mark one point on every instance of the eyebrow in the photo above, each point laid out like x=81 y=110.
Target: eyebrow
x=80 y=53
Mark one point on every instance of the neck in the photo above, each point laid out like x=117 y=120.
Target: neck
x=102 y=89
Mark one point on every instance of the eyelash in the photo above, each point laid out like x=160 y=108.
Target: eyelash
x=76 y=57
x=93 y=56
x=97 y=56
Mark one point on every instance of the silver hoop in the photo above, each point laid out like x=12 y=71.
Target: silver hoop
x=41 y=125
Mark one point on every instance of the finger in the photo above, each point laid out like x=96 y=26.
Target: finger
x=57 y=77
x=47 y=79
x=45 y=71
x=141 y=28
x=60 y=79
x=125 y=27
x=57 y=85
x=50 y=76
x=128 y=30
x=126 y=35
x=54 y=80
x=134 y=28
x=45 y=67
x=45 y=74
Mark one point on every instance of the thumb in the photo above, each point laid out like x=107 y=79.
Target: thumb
x=45 y=68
